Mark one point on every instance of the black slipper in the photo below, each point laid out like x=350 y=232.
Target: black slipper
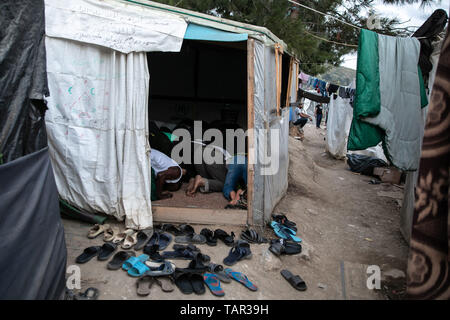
x=197 y=283
x=172 y=229
x=282 y=219
x=295 y=281
x=239 y=252
x=106 y=251
x=142 y=237
x=182 y=281
x=119 y=258
x=88 y=254
x=225 y=237
x=209 y=235
x=153 y=253
x=186 y=229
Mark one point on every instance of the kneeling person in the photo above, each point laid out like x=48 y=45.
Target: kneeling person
x=168 y=174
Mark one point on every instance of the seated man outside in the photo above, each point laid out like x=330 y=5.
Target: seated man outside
x=237 y=172
x=168 y=174
x=302 y=117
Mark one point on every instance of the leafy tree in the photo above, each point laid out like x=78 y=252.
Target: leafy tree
x=318 y=41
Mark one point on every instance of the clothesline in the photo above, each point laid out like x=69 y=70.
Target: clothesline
x=333 y=17
x=325 y=14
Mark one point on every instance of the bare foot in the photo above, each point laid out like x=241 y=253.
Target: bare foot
x=198 y=182
x=190 y=187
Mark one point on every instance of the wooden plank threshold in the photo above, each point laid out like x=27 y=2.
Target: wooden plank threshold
x=199 y=216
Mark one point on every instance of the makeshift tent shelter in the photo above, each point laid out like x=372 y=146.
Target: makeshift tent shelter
x=121 y=63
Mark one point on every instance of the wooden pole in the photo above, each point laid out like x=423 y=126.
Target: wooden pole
x=250 y=126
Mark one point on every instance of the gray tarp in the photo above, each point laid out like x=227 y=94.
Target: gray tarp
x=32 y=247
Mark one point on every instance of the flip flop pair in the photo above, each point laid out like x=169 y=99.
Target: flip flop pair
x=101 y=252
x=145 y=283
x=189 y=282
x=135 y=265
x=284 y=232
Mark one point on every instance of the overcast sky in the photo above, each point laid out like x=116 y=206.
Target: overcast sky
x=412 y=15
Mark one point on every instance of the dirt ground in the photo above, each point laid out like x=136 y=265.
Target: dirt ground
x=344 y=224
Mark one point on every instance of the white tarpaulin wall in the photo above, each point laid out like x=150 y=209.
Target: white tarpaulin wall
x=340 y=117
x=113 y=24
x=97 y=119
x=97 y=129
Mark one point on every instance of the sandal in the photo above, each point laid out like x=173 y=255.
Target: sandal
x=172 y=229
x=198 y=284
x=106 y=251
x=129 y=241
x=217 y=269
x=142 y=238
x=282 y=219
x=110 y=234
x=156 y=269
x=296 y=281
x=88 y=254
x=284 y=232
x=96 y=230
x=252 y=236
x=239 y=252
x=209 y=236
x=144 y=284
x=182 y=281
x=186 y=229
x=89 y=294
x=242 y=278
x=213 y=283
x=191 y=238
x=161 y=239
x=118 y=260
x=122 y=235
x=128 y=264
x=166 y=284
x=225 y=237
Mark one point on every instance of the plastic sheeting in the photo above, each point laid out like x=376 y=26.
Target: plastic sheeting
x=32 y=246
x=98 y=130
x=23 y=78
x=340 y=117
x=197 y=32
x=271 y=134
x=116 y=25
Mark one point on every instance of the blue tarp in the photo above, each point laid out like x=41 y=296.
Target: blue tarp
x=197 y=32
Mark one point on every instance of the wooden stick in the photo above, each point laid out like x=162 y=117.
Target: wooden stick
x=250 y=127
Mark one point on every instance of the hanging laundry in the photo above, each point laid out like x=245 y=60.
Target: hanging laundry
x=333 y=88
x=304 y=77
x=389 y=95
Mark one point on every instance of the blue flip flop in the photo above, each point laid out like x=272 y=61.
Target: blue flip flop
x=127 y=265
x=242 y=278
x=138 y=269
x=213 y=283
x=284 y=232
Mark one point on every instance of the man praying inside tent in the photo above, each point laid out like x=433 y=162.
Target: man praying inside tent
x=236 y=182
x=168 y=174
x=302 y=117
